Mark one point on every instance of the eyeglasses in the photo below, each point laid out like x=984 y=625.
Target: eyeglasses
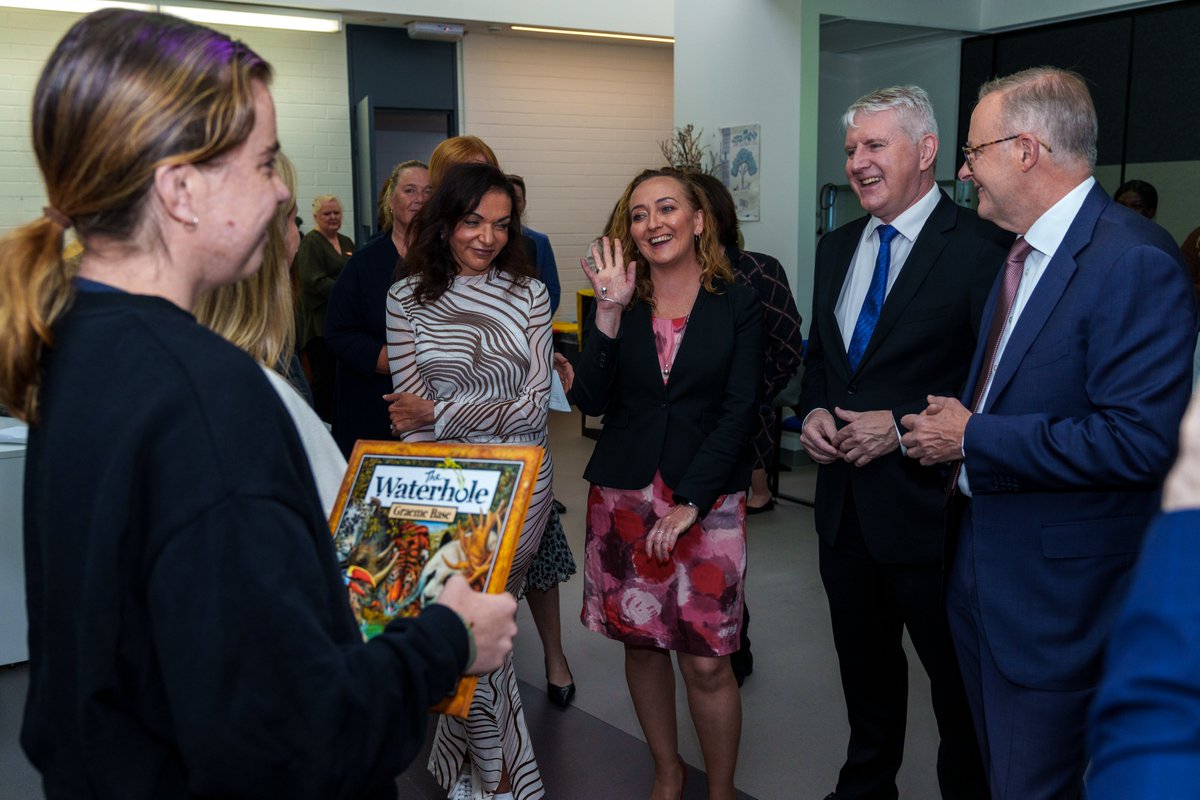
x=970 y=150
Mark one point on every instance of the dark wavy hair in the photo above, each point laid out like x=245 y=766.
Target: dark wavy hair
x=430 y=259
x=724 y=211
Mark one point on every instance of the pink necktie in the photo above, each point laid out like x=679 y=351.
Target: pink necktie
x=1014 y=268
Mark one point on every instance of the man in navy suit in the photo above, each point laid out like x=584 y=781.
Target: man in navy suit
x=897 y=300
x=1066 y=429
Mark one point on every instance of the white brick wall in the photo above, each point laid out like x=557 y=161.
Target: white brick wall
x=577 y=120
x=311 y=99
x=26 y=38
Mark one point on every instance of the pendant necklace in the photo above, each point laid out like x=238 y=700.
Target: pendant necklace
x=678 y=337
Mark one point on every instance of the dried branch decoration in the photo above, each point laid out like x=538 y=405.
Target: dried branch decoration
x=685 y=151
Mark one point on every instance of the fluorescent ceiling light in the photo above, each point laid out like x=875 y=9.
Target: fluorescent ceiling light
x=252 y=19
x=75 y=6
x=208 y=16
x=566 y=32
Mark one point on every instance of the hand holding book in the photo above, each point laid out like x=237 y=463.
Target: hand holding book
x=490 y=618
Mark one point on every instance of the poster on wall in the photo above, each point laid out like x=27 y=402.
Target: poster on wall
x=740 y=166
x=409 y=516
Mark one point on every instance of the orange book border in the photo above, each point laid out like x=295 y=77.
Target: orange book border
x=530 y=456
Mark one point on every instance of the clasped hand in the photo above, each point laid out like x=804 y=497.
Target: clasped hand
x=408 y=412
x=866 y=436
x=935 y=436
x=663 y=534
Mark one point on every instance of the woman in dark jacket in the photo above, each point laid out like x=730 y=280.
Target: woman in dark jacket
x=322 y=256
x=673 y=360
x=354 y=321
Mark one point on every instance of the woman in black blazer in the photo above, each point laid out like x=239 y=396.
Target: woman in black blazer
x=673 y=360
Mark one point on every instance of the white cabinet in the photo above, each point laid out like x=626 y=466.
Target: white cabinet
x=14 y=645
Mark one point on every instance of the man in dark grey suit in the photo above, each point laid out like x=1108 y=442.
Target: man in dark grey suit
x=897 y=299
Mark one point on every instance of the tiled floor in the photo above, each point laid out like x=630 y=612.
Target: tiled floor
x=794 y=723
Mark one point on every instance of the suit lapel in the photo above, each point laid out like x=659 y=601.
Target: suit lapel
x=689 y=357
x=926 y=249
x=985 y=325
x=1049 y=291
x=640 y=335
x=831 y=288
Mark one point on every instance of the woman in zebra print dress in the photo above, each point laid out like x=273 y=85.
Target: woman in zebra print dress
x=469 y=344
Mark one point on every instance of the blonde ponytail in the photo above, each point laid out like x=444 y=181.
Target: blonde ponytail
x=35 y=290
x=123 y=93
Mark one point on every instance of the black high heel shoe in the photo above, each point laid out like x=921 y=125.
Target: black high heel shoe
x=764 y=508
x=561 y=696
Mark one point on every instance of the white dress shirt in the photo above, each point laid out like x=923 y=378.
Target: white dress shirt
x=1044 y=236
x=908 y=225
x=858 y=278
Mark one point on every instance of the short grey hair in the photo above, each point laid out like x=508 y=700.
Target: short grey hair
x=1052 y=102
x=911 y=104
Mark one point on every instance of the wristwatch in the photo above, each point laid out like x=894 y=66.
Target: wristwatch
x=680 y=500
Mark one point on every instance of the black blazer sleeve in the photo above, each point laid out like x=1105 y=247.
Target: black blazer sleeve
x=596 y=369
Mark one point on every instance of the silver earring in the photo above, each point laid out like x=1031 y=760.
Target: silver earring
x=193 y=224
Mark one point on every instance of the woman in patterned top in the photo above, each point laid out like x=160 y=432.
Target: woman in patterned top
x=469 y=345
x=553 y=563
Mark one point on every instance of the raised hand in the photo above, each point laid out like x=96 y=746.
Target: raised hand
x=613 y=280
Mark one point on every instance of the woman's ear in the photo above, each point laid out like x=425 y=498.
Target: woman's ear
x=174 y=187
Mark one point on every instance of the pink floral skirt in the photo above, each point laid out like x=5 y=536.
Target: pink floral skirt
x=693 y=603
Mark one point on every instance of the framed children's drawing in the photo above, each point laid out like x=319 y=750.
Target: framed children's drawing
x=409 y=516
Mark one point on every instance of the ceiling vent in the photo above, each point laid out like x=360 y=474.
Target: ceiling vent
x=439 y=31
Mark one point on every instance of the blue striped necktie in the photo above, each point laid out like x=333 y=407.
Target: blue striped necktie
x=873 y=302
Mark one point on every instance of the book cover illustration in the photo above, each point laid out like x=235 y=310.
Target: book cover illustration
x=409 y=516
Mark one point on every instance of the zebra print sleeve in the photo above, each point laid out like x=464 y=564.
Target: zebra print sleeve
x=402 y=359
x=520 y=413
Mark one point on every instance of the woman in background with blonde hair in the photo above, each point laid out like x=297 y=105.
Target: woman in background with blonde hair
x=255 y=314
x=355 y=332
